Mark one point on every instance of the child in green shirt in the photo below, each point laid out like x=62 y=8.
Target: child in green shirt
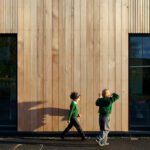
x=73 y=115
x=105 y=108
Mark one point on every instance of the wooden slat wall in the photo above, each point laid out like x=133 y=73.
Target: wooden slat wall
x=47 y=116
x=83 y=100
x=139 y=16
x=21 y=95
x=89 y=65
x=55 y=69
x=118 y=58
x=40 y=66
x=8 y=16
x=124 y=66
x=96 y=58
x=66 y=45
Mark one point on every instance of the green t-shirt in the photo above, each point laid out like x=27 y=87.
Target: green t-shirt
x=105 y=104
x=73 y=111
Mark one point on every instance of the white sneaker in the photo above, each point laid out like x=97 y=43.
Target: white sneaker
x=106 y=144
x=99 y=143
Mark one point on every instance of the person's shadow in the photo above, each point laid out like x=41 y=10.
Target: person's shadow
x=35 y=111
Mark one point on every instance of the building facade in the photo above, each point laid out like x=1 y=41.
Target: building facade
x=53 y=47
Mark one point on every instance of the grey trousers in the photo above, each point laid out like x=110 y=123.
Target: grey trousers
x=104 y=123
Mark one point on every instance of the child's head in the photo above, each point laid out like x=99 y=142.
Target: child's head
x=75 y=96
x=106 y=93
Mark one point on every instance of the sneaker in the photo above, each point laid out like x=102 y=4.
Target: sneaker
x=99 y=142
x=85 y=138
x=106 y=144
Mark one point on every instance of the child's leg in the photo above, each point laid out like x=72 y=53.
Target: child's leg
x=78 y=127
x=101 y=125
x=68 y=128
x=105 y=127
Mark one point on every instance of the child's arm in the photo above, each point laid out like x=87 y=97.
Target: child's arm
x=71 y=112
x=100 y=102
x=114 y=97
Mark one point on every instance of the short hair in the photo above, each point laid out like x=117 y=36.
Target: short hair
x=106 y=93
x=74 y=95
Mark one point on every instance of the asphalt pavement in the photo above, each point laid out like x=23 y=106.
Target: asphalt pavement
x=72 y=143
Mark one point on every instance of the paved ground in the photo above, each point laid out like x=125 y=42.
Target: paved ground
x=72 y=144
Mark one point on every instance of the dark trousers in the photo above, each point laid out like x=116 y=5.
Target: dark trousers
x=74 y=122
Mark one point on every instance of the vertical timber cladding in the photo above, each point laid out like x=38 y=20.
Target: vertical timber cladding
x=139 y=16
x=66 y=45
x=8 y=16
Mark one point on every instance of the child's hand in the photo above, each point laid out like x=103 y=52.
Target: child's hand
x=79 y=115
x=100 y=95
x=111 y=95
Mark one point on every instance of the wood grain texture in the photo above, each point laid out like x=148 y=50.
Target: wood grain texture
x=55 y=61
x=96 y=59
x=111 y=57
x=1 y=16
x=89 y=67
x=62 y=63
x=125 y=65
x=67 y=45
x=8 y=16
x=148 y=15
x=105 y=44
x=68 y=52
x=47 y=65
x=118 y=59
x=77 y=49
x=14 y=16
x=20 y=65
x=33 y=51
x=101 y=45
x=40 y=64
x=27 y=65
x=138 y=16
x=83 y=64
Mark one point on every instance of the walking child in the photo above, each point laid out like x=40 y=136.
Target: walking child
x=105 y=108
x=73 y=115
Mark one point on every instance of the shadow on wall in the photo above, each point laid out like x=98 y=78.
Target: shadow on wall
x=32 y=115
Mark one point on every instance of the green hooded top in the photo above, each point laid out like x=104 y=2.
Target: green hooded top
x=105 y=104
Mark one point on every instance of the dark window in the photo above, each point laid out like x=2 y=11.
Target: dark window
x=139 y=81
x=8 y=80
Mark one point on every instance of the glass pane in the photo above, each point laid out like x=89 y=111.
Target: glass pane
x=135 y=47
x=139 y=84
x=8 y=76
x=140 y=96
x=146 y=47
